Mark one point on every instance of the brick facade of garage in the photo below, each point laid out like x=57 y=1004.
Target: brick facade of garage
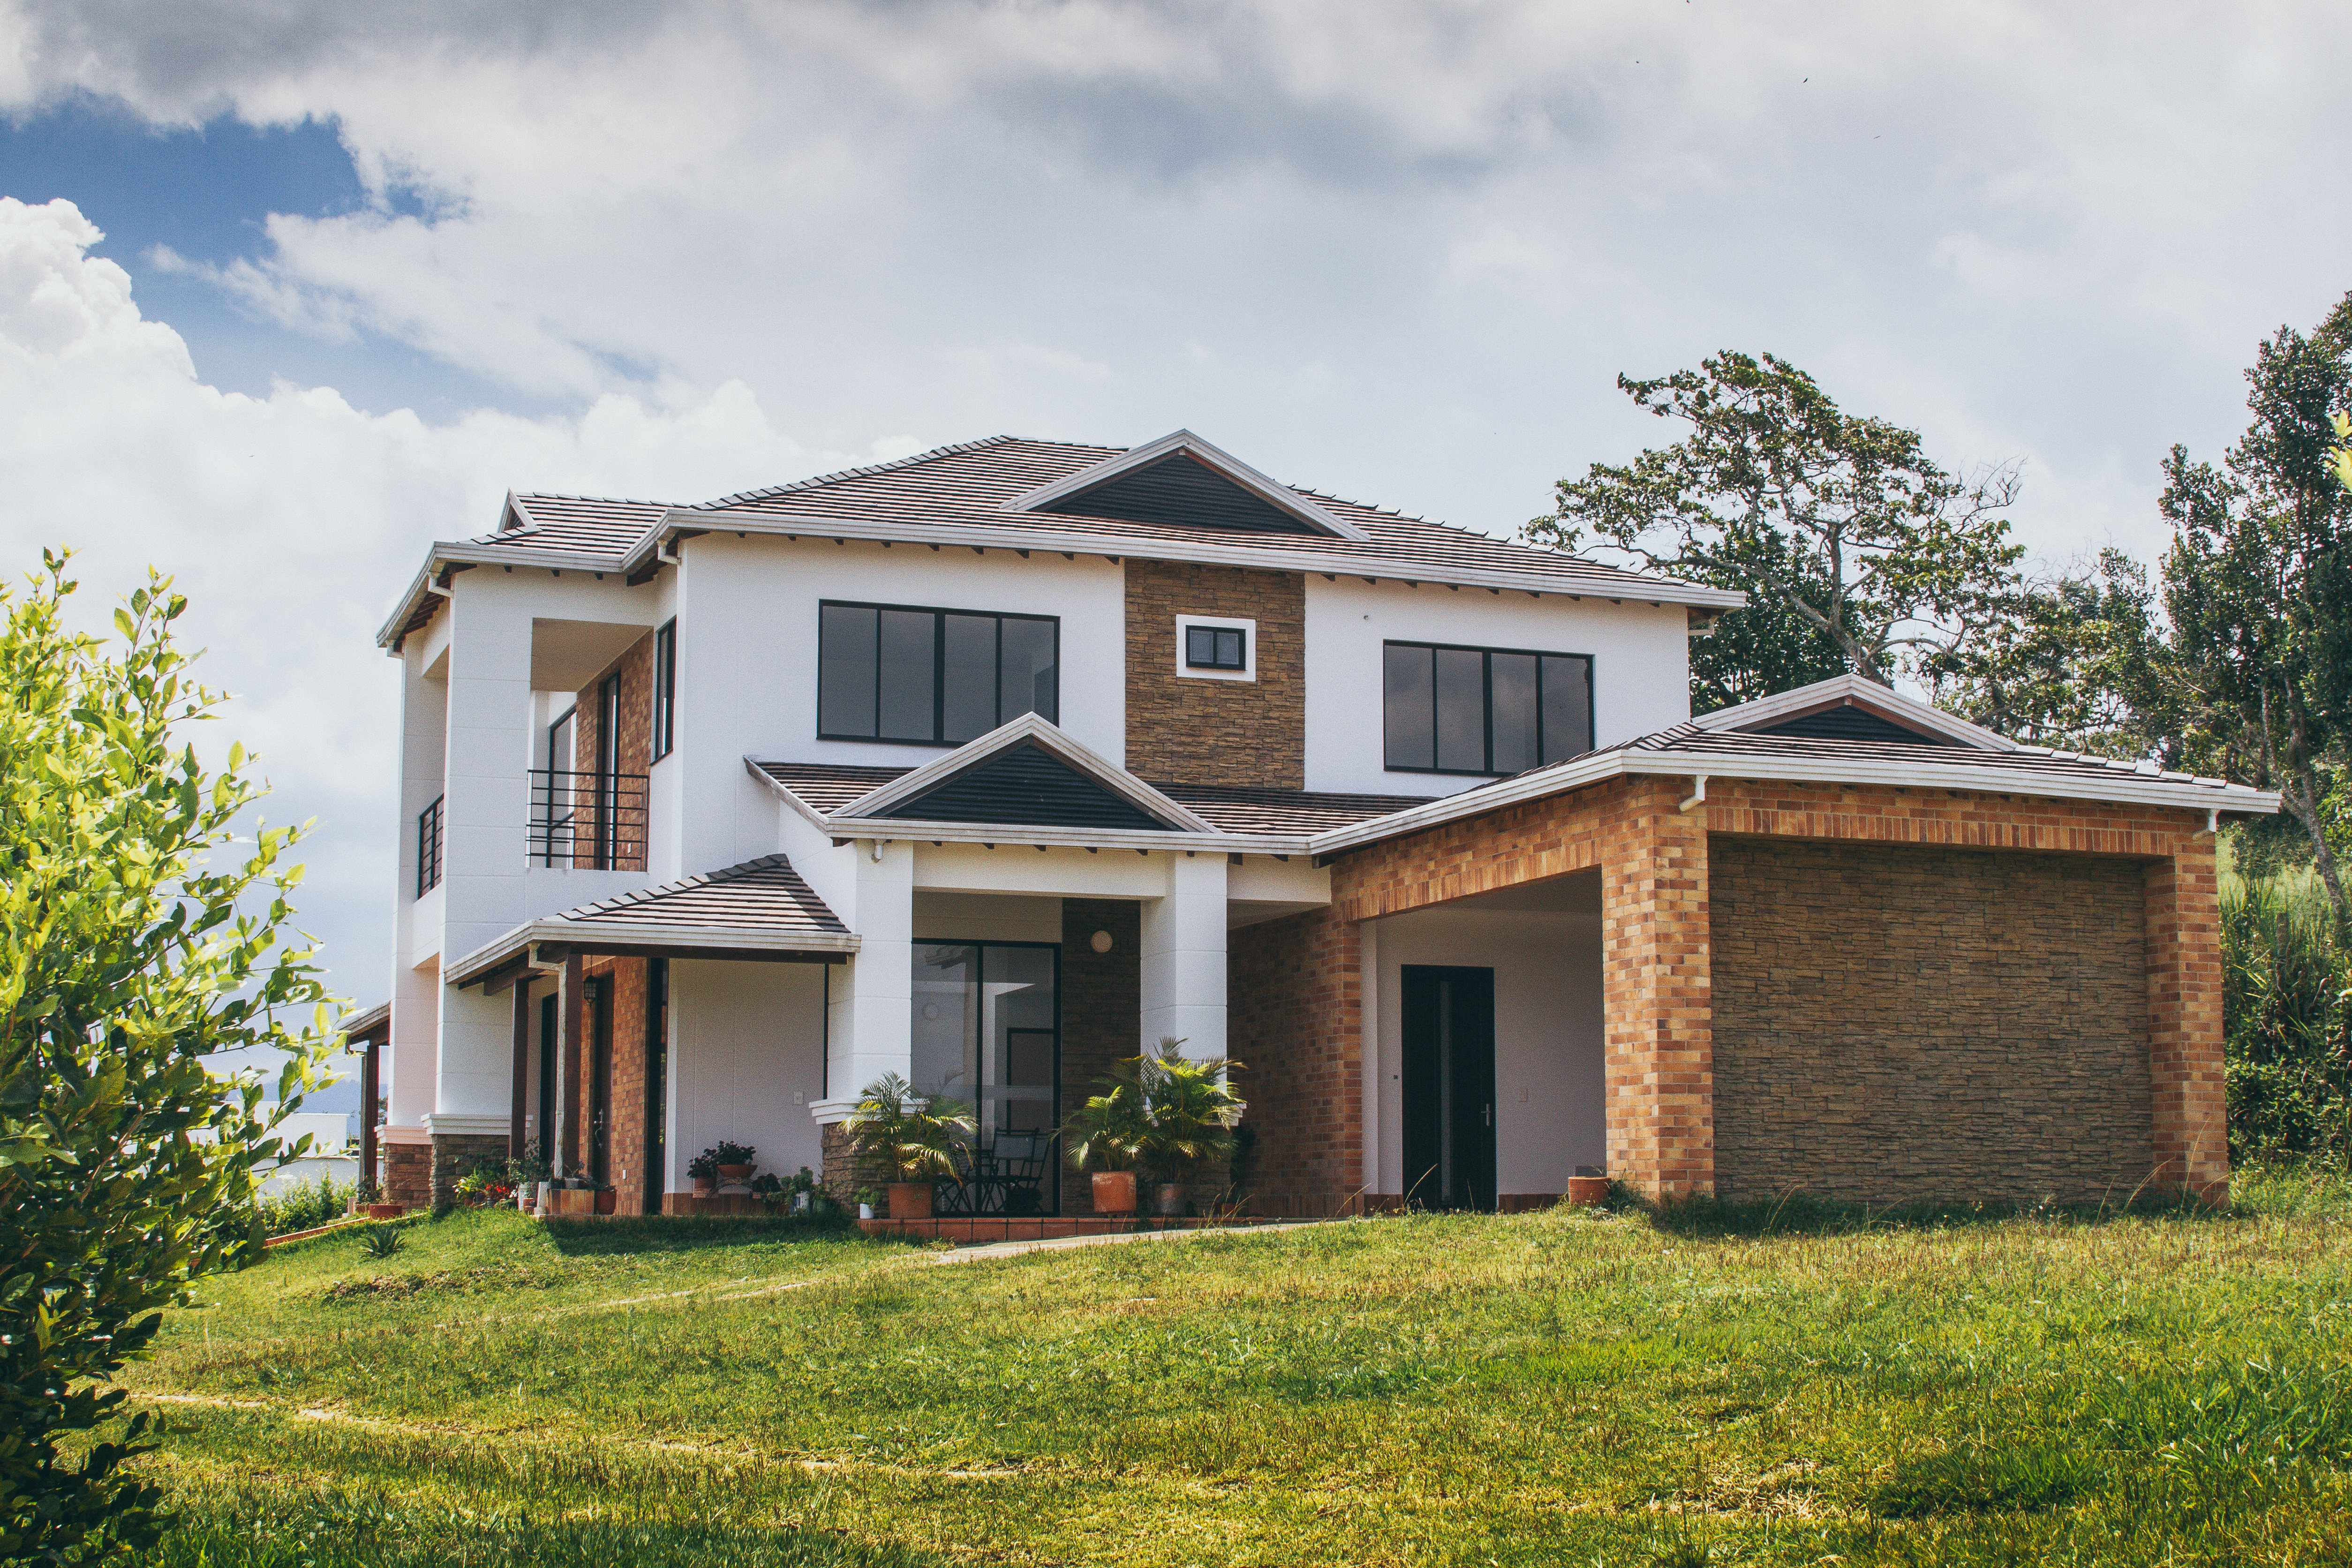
x=2084 y=1036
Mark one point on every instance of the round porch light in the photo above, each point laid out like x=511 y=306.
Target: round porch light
x=1099 y=942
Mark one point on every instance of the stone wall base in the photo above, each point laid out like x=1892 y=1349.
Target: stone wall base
x=407 y=1175
x=455 y=1154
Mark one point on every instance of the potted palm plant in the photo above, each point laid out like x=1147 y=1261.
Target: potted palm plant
x=1190 y=1111
x=915 y=1135
x=1106 y=1134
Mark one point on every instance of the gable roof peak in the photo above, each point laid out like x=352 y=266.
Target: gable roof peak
x=1044 y=735
x=1855 y=691
x=1299 y=507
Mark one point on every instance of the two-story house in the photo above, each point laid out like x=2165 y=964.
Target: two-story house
x=997 y=765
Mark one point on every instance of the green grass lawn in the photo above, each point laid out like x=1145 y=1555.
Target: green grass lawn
x=1560 y=1387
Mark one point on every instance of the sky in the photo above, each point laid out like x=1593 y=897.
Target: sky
x=289 y=290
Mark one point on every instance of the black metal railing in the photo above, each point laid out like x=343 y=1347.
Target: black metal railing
x=588 y=821
x=428 y=847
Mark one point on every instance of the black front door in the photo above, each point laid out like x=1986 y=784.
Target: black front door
x=1449 y=1086
x=600 y=1078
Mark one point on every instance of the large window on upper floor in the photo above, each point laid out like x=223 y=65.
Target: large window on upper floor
x=931 y=678
x=1487 y=711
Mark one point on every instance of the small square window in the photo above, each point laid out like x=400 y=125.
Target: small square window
x=1216 y=647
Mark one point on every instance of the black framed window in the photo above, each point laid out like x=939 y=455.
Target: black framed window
x=1484 y=710
x=1216 y=647
x=665 y=688
x=931 y=678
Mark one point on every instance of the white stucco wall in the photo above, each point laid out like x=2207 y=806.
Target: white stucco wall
x=747 y=612
x=745 y=1040
x=1549 y=1113
x=1641 y=666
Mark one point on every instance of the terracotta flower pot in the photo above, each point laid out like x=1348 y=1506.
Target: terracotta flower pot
x=1114 y=1192
x=1587 y=1191
x=1168 y=1198
x=735 y=1172
x=607 y=1201
x=910 y=1200
x=705 y=1186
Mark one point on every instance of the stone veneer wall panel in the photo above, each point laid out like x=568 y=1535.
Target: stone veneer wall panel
x=1895 y=1023
x=1193 y=730
x=1294 y=995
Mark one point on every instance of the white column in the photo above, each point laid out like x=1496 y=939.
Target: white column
x=414 y=992
x=485 y=834
x=871 y=1028
x=1184 y=957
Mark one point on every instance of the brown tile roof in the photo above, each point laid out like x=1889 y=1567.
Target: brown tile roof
x=1285 y=811
x=577 y=525
x=829 y=786
x=967 y=484
x=764 y=896
x=2028 y=763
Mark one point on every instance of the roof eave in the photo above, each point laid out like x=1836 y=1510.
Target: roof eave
x=519 y=942
x=2180 y=795
x=1657 y=591
x=1173 y=841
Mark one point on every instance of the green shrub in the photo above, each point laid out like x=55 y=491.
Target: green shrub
x=2285 y=977
x=306 y=1206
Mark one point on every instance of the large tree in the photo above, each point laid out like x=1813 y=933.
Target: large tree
x=140 y=939
x=2256 y=681
x=1859 y=552
x=2065 y=665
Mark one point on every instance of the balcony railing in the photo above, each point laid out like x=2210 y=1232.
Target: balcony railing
x=428 y=847
x=588 y=821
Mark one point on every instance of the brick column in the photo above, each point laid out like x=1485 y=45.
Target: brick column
x=1659 y=1046
x=2184 y=1023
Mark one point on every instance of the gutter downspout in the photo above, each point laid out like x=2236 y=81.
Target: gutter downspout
x=1698 y=797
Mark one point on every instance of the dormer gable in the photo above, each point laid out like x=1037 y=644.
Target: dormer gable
x=1851 y=708
x=1026 y=773
x=1183 y=481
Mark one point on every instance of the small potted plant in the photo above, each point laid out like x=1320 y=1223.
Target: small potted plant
x=735 y=1162
x=865 y=1199
x=916 y=1135
x=1190 y=1111
x=1106 y=1134
x=770 y=1190
x=703 y=1171
x=608 y=1198
x=527 y=1171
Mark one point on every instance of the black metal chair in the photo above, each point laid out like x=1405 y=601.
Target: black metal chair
x=1000 y=1172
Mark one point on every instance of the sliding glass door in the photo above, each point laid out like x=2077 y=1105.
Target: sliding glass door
x=988 y=1029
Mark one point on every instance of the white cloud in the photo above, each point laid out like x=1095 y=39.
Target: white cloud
x=290 y=521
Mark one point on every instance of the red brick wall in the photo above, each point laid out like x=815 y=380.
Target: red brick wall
x=2184 y=1020
x=1295 y=1021
x=625 y=1165
x=1657 y=1041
